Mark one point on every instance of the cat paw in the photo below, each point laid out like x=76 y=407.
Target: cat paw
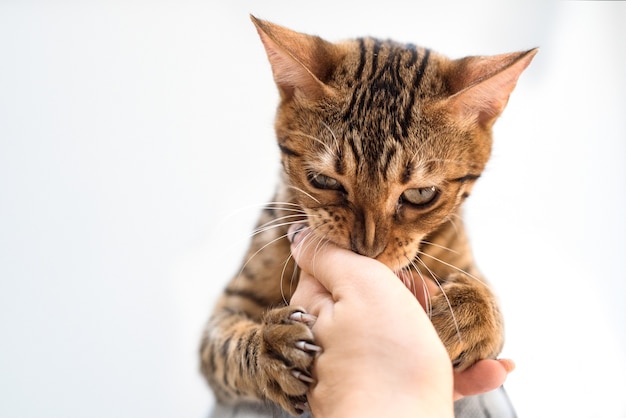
x=288 y=351
x=468 y=322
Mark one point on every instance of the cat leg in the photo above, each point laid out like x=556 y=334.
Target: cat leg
x=468 y=320
x=244 y=360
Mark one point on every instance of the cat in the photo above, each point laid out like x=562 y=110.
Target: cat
x=380 y=144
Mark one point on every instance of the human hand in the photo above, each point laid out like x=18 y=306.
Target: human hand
x=370 y=326
x=381 y=355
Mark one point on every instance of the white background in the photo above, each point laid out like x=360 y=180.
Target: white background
x=136 y=145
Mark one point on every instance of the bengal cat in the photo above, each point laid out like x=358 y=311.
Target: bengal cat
x=380 y=144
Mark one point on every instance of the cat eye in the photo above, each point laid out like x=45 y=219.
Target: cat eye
x=421 y=197
x=324 y=182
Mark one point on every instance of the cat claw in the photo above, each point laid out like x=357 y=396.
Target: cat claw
x=302 y=376
x=308 y=347
x=302 y=406
x=305 y=318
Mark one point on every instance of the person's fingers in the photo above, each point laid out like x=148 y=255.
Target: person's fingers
x=335 y=267
x=332 y=266
x=310 y=294
x=484 y=376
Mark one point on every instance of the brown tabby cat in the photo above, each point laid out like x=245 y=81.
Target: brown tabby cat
x=381 y=143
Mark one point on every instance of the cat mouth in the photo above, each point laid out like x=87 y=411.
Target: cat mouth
x=408 y=279
x=423 y=287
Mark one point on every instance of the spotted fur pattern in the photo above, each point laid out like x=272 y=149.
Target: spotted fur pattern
x=380 y=142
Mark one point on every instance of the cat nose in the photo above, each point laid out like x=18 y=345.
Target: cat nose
x=369 y=236
x=371 y=251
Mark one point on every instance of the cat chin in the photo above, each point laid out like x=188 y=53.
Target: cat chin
x=394 y=262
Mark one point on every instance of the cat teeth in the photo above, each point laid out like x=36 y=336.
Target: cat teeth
x=302 y=376
x=304 y=346
x=303 y=317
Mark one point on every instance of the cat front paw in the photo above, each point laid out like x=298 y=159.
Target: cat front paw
x=468 y=322
x=287 y=353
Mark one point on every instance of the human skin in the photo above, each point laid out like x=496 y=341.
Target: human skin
x=381 y=355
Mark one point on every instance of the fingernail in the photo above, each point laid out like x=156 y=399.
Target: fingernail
x=294 y=231
x=508 y=364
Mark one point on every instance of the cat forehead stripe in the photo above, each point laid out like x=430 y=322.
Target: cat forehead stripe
x=384 y=85
x=388 y=77
x=466 y=178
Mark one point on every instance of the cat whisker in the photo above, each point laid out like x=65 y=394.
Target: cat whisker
x=296 y=210
x=443 y=247
x=445 y=295
x=277 y=223
x=280 y=204
x=407 y=275
x=266 y=205
x=337 y=146
x=322 y=242
x=294 y=275
x=453 y=223
x=305 y=193
x=271 y=224
x=307 y=240
x=319 y=141
x=418 y=151
x=275 y=240
x=460 y=270
x=286 y=263
x=425 y=290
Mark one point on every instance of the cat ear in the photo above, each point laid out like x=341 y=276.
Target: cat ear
x=300 y=63
x=482 y=85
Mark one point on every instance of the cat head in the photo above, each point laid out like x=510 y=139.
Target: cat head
x=381 y=142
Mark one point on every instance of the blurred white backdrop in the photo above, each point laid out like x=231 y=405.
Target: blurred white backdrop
x=136 y=145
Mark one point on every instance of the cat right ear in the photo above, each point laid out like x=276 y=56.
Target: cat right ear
x=300 y=63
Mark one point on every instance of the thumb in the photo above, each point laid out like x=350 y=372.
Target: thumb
x=311 y=295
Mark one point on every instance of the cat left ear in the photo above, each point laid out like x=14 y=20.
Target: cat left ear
x=300 y=63
x=482 y=85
